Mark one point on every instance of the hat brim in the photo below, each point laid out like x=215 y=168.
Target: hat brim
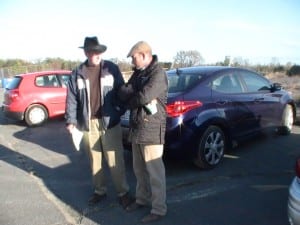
x=98 y=48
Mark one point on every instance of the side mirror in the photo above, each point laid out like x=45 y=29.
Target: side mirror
x=276 y=87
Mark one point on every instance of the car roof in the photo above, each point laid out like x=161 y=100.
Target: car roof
x=45 y=73
x=204 y=70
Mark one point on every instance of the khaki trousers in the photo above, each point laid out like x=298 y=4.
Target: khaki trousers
x=150 y=174
x=106 y=144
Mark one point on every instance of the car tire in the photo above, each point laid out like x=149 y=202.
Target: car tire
x=211 y=148
x=36 y=115
x=287 y=121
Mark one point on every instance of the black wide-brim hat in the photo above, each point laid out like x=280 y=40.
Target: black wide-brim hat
x=92 y=44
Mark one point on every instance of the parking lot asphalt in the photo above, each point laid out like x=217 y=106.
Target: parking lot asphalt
x=45 y=181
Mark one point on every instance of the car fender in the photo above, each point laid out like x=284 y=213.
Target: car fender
x=208 y=115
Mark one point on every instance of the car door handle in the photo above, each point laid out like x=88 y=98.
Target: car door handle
x=258 y=99
x=222 y=102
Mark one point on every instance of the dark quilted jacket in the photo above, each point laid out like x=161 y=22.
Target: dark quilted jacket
x=142 y=87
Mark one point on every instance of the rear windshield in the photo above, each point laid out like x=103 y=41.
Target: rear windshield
x=182 y=82
x=14 y=83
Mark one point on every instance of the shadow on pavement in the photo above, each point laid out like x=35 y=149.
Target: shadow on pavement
x=47 y=153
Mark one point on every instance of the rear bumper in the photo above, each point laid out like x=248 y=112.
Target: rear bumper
x=294 y=202
x=179 y=142
x=12 y=114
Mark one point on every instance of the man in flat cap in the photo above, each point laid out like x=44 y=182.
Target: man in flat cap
x=145 y=95
x=92 y=107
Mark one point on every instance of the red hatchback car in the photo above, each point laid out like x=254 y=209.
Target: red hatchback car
x=35 y=97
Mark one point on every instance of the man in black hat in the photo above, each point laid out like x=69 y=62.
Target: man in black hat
x=92 y=107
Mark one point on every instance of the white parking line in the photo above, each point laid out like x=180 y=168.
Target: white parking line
x=203 y=193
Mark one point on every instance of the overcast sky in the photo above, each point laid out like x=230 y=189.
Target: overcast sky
x=258 y=31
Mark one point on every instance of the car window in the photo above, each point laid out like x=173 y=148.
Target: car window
x=47 y=81
x=64 y=79
x=14 y=83
x=182 y=82
x=227 y=83
x=255 y=82
x=54 y=81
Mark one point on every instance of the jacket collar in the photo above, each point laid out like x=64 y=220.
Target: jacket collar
x=85 y=63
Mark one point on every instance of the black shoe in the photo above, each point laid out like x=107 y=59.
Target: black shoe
x=134 y=206
x=126 y=200
x=96 y=198
x=151 y=218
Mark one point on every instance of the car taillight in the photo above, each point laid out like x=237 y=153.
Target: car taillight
x=13 y=95
x=297 y=168
x=180 y=107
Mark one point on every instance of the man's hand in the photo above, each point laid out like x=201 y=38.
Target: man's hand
x=70 y=127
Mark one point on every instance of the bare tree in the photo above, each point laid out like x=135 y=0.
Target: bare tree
x=187 y=59
x=123 y=65
x=227 y=60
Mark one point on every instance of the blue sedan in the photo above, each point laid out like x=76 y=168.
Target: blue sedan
x=212 y=107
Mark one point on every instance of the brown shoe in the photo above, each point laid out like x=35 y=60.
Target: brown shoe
x=126 y=200
x=151 y=218
x=96 y=198
x=134 y=206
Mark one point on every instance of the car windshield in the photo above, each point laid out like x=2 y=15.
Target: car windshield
x=14 y=83
x=182 y=82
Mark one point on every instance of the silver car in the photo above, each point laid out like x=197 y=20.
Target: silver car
x=294 y=197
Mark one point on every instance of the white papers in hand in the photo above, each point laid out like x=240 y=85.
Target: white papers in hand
x=76 y=137
x=151 y=107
